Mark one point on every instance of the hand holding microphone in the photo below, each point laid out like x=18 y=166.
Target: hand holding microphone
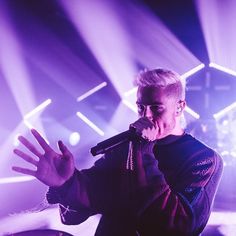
x=146 y=129
x=142 y=128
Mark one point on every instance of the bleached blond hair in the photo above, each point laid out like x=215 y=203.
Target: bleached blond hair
x=166 y=79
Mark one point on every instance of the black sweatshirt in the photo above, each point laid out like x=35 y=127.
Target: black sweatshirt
x=165 y=187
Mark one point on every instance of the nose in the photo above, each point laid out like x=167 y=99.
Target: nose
x=147 y=112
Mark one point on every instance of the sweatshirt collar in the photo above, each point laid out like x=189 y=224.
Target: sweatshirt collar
x=169 y=139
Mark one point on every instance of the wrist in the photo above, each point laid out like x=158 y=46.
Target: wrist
x=55 y=194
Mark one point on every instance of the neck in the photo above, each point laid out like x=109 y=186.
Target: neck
x=178 y=130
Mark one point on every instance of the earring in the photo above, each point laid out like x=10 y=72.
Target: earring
x=179 y=109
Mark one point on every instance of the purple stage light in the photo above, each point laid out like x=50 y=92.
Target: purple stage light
x=91 y=91
x=217 y=20
x=192 y=71
x=90 y=123
x=37 y=109
x=222 y=68
x=74 y=138
x=192 y=112
x=133 y=107
x=16 y=179
x=105 y=35
x=224 y=111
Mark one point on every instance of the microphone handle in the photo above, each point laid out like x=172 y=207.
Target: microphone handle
x=114 y=141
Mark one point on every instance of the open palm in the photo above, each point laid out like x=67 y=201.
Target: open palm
x=52 y=168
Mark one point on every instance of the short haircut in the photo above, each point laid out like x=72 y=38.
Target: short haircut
x=163 y=78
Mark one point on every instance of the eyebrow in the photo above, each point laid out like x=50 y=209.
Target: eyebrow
x=152 y=104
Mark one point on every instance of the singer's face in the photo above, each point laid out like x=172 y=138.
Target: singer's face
x=159 y=108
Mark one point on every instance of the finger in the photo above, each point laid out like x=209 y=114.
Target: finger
x=64 y=150
x=141 y=125
x=41 y=140
x=29 y=145
x=24 y=171
x=148 y=122
x=25 y=156
x=143 y=122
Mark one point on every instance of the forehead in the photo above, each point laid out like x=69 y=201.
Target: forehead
x=151 y=95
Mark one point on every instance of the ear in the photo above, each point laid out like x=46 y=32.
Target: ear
x=180 y=107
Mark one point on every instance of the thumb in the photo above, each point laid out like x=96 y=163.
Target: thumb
x=64 y=150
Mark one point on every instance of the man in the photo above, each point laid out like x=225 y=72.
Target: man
x=161 y=183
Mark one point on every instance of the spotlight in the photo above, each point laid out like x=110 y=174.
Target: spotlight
x=74 y=138
x=225 y=122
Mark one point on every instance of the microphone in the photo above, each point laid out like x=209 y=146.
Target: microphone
x=114 y=141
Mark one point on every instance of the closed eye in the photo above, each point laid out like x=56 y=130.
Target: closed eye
x=155 y=108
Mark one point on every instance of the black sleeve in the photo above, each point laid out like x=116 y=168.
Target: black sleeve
x=90 y=191
x=72 y=198
x=182 y=209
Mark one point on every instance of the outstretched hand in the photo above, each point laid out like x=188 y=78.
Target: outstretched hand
x=52 y=168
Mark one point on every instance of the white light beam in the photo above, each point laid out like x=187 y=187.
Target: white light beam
x=131 y=91
x=192 y=71
x=222 y=68
x=130 y=105
x=191 y=112
x=91 y=91
x=37 y=109
x=224 y=111
x=17 y=179
x=90 y=123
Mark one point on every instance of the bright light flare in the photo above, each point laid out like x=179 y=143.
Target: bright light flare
x=90 y=123
x=13 y=66
x=222 y=218
x=130 y=105
x=217 y=20
x=7 y=146
x=192 y=71
x=106 y=37
x=16 y=141
x=33 y=113
x=33 y=219
x=153 y=44
x=131 y=91
x=17 y=179
x=191 y=112
x=224 y=111
x=28 y=124
x=37 y=109
x=91 y=91
x=74 y=138
x=222 y=68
